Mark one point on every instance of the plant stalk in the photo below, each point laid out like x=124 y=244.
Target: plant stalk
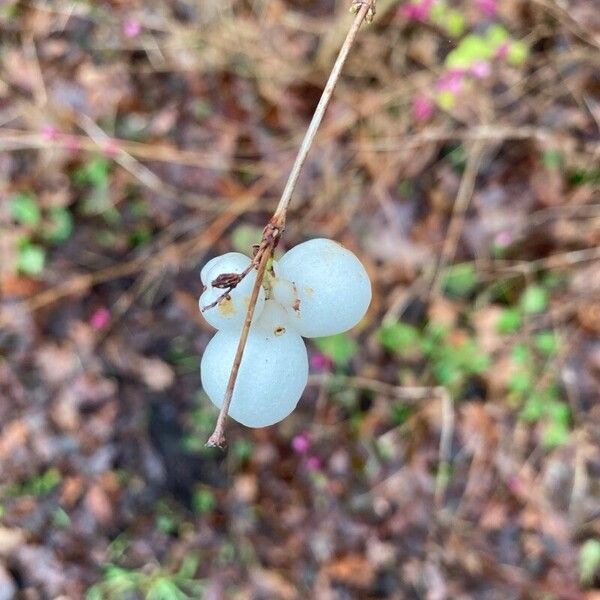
x=274 y=229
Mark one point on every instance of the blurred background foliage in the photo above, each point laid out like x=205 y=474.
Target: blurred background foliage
x=445 y=448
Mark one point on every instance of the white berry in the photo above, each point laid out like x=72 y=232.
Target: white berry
x=230 y=312
x=272 y=375
x=330 y=289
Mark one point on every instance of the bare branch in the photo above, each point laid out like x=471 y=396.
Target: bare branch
x=366 y=7
x=272 y=232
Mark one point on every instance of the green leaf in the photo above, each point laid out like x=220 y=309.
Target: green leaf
x=60 y=518
x=517 y=53
x=188 y=567
x=521 y=354
x=244 y=236
x=32 y=259
x=552 y=159
x=555 y=434
x=471 y=49
x=204 y=501
x=534 y=408
x=94 y=173
x=340 y=348
x=589 y=561
x=60 y=227
x=24 y=209
x=496 y=35
x=534 y=299
x=559 y=412
x=455 y=23
x=446 y=99
x=509 y=321
x=401 y=413
x=140 y=236
x=446 y=372
x=460 y=280
x=438 y=11
x=165 y=589
x=547 y=343
x=242 y=449
x=202 y=109
x=398 y=337
x=520 y=382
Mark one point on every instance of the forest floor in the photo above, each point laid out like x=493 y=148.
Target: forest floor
x=448 y=446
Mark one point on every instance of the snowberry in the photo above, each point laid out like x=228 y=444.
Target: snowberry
x=272 y=375
x=230 y=312
x=319 y=289
x=324 y=288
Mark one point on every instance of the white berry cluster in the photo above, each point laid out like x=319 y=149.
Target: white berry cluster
x=316 y=289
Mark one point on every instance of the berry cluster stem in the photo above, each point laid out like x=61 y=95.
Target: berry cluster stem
x=364 y=9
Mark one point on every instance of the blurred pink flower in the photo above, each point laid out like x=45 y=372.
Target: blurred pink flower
x=487 y=7
x=320 y=362
x=502 y=51
x=72 y=143
x=503 y=239
x=422 y=108
x=49 y=132
x=451 y=81
x=110 y=148
x=313 y=463
x=481 y=69
x=131 y=28
x=300 y=443
x=100 y=319
x=417 y=11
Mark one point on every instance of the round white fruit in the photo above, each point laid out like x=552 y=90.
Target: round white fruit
x=230 y=312
x=272 y=375
x=330 y=290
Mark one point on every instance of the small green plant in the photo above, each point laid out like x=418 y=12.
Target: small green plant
x=494 y=42
x=339 y=348
x=38 y=485
x=157 y=584
x=94 y=177
x=168 y=521
x=539 y=399
x=450 y=357
x=460 y=280
x=53 y=226
x=589 y=561
x=204 y=501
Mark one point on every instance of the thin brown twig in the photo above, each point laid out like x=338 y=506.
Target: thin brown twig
x=463 y=198
x=218 y=436
x=286 y=196
x=365 y=9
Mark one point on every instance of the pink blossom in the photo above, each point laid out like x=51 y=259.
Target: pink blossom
x=417 y=11
x=514 y=484
x=481 y=69
x=503 y=239
x=72 y=143
x=131 y=28
x=320 y=362
x=452 y=81
x=110 y=148
x=422 y=108
x=487 y=7
x=49 y=133
x=301 y=443
x=313 y=463
x=100 y=319
x=502 y=51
